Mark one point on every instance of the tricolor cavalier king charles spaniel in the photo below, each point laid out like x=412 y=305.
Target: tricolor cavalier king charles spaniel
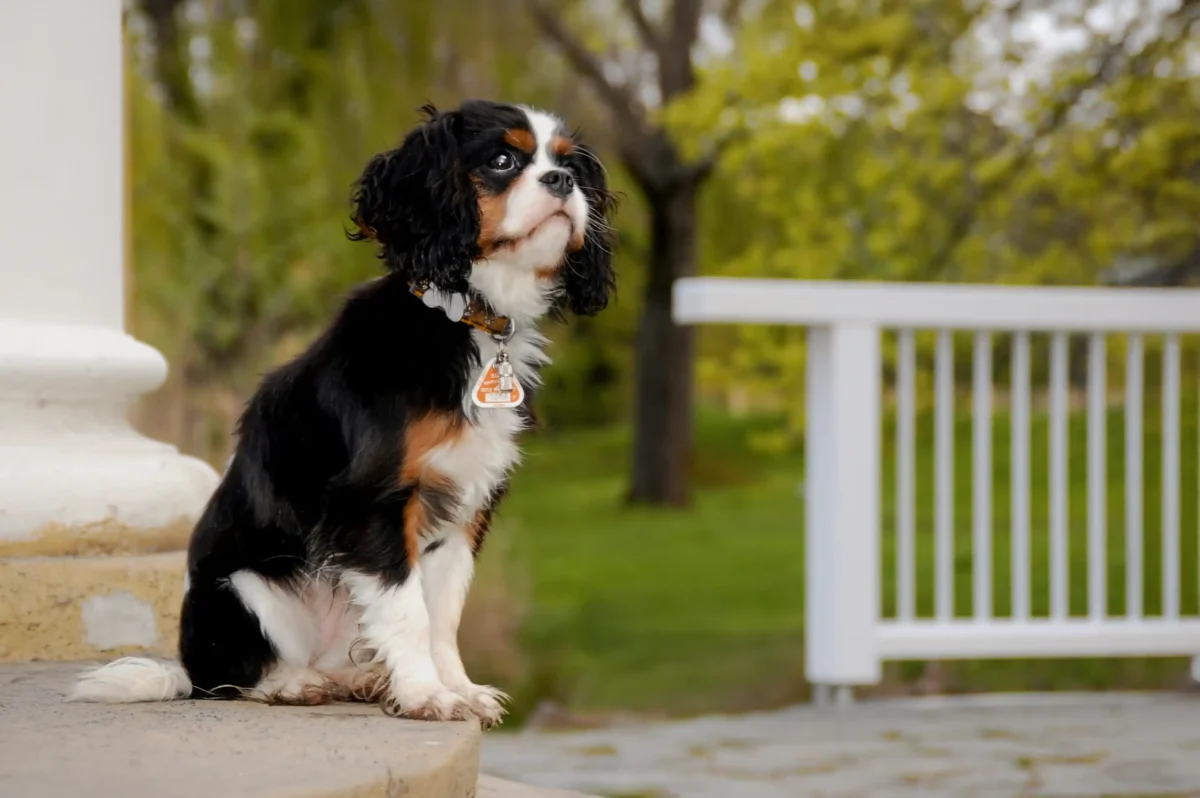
x=335 y=557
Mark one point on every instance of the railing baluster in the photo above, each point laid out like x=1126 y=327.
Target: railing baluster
x=1096 y=403
x=1020 y=475
x=1059 y=421
x=1133 y=477
x=943 y=488
x=1170 y=476
x=981 y=490
x=906 y=476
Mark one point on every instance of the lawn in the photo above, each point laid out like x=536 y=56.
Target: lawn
x=703 y=610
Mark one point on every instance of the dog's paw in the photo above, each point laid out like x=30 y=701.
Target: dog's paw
x=487 y=702
x=432 y=703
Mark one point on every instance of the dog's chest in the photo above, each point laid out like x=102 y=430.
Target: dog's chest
x=479 y=459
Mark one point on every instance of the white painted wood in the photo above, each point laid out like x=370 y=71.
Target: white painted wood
x=1097 y=405
x=1134 y=376
x=935 y=305
x=1059 y=424
x=68 y=456
x=842 y=505
x=1170 y=477
x=1019 y=468
x=906 y=468
x=981 y=482
x=943 y=488
x=846 y=638
x=1039 y=637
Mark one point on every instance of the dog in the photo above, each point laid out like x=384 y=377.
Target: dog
x=334 y=559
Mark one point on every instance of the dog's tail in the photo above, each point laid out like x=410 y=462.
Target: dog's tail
x=133 y=679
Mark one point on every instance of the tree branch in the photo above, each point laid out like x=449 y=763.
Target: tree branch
x=731 y=12
x=1103 y=74
x=702 y=167
x=675 y=72
x=624 y=105
x=646 y=31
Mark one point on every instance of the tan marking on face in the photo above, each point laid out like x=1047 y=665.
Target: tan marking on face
x=562 y=146
x=521 y=139
x=576 y=242
x=547 y=272
x=492 y=208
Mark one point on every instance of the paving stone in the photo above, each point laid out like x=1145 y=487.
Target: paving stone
x=997 y=746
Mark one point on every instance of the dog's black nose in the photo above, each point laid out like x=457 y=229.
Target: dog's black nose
x=559 y=183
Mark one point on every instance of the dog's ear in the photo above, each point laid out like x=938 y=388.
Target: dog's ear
x=420 y=205
x=588 y=276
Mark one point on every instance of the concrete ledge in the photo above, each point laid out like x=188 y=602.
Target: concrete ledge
x=237 y=749
x=492 y=787
x=89 y=608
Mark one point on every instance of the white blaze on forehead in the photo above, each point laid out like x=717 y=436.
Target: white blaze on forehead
x=509 y=277
x=545 y=127
x=529 y=203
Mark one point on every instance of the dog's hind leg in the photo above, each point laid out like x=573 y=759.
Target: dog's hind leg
x=222 y=643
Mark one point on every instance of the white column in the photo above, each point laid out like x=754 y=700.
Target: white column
x=68 y=458
x=842 y=505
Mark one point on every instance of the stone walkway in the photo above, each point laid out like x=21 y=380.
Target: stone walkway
x=999 y=746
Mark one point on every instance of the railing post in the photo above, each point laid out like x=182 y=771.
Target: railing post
x=842 y=479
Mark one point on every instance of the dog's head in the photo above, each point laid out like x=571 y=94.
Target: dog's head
x=499 y=198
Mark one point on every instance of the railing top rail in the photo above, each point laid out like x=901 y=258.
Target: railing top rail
x=935 y=305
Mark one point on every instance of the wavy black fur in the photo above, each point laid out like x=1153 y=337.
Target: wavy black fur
x=419 y=203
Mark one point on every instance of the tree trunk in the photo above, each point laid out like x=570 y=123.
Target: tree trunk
x=662 y=445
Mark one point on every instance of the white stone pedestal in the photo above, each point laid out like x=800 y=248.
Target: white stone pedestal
x=75 y=478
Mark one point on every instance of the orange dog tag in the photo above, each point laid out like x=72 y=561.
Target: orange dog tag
x=498 y=386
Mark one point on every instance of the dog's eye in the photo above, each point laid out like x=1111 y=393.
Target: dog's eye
x=502 y=162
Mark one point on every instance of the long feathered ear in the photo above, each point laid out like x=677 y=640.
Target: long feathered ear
x=419 y=205
x=588 y=276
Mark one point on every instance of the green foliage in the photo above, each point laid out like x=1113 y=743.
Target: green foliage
x=875 y=149
x=241 y=178
x=703 y=610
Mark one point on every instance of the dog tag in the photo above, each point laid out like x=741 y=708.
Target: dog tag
x=498 y=386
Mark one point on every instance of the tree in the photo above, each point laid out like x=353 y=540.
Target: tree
x=670 y=183
x=889 y=144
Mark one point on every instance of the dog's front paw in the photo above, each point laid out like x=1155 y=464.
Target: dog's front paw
x=487 y=702
x=432 y=702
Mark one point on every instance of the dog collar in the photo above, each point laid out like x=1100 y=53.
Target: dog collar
x=472 y=311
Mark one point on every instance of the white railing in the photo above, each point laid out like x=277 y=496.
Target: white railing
x=847 y=634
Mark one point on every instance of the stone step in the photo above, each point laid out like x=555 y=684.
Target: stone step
x=493 y=787
x=89 y=608
x=234 y=749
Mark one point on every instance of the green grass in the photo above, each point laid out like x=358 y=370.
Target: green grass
x=702 y=610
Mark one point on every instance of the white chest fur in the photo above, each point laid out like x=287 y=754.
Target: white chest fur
x=477 y=461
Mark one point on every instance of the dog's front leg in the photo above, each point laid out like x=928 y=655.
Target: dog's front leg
x=395 y=623
x=446 y=578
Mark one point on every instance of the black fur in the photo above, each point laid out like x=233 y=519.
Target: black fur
x=314 y=479
x=314 y=482
x=419 y=203
x=588 y=276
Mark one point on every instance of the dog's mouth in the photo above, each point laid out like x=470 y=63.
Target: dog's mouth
x=514 y=241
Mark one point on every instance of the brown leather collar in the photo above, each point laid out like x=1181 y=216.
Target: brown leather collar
x=476 y=314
